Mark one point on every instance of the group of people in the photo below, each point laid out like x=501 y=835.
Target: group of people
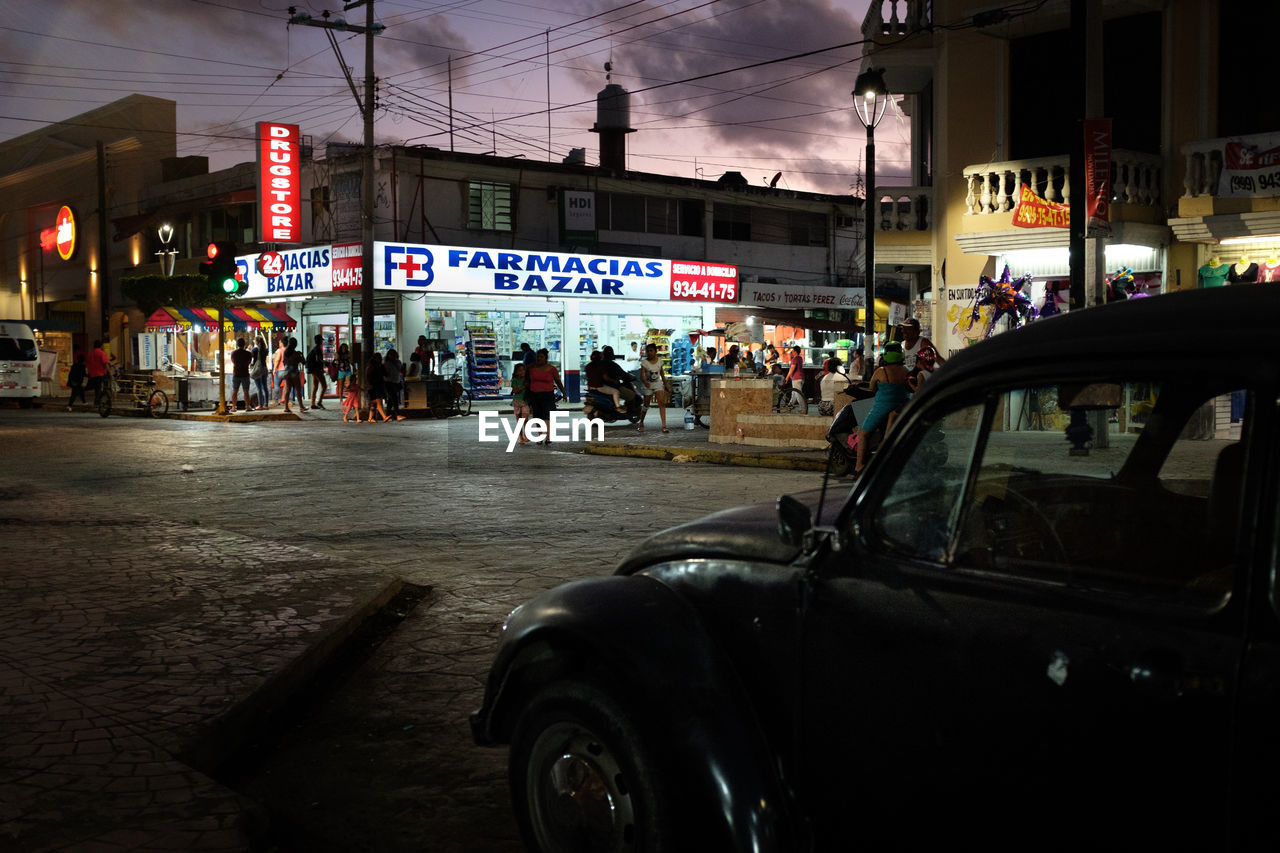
x=88 y=374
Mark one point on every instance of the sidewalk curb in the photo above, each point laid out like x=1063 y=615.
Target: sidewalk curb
x=709 y=456
x=230 y=732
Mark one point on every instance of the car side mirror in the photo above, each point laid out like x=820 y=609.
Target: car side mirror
x=794 y=520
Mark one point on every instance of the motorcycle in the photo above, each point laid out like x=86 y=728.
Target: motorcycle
x=596 y=404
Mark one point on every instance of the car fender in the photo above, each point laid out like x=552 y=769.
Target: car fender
x=639 y=638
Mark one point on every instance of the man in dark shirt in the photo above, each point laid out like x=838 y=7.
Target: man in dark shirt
x=315 y=369
x=241 y=359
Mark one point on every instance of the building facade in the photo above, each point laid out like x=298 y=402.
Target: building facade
x=997 y=98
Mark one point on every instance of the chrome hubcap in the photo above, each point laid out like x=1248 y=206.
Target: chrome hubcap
x=579 y=799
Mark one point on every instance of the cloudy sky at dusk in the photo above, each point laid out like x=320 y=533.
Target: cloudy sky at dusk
x=231 y=63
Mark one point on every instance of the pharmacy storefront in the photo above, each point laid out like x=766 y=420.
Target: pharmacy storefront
x=477 y=306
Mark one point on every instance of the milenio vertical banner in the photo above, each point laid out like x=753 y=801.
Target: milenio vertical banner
x=1097 y=176
x=279 y=183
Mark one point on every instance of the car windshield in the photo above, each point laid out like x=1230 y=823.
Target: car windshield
x=1132 y=483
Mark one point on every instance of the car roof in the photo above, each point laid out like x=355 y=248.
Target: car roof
x=1242 y=320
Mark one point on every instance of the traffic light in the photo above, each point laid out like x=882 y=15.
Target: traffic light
x=220 y=270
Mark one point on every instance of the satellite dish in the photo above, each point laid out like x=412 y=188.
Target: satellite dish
x=775 y=180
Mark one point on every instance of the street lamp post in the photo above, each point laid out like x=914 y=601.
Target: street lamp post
x=870 y=100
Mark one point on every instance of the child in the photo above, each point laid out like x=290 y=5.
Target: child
x=351 y=399
x=657 y=389
x=519 y=406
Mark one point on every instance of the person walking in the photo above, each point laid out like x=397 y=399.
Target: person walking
x=97 y=366
x=889 y=383
x=293 y=364
x=343 y=360
x=241 y=359
x=519 y=401
x=351 y=401
x=277 y=368
x=258 y=373
x=544 y=381
x=656 y=386
x=75 y=380
x=394 y=383
x=795 y=372
x=375 y=379
x=316 y=371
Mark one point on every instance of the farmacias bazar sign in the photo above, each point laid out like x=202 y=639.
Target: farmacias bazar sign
x=494 y=272
x=489 y=272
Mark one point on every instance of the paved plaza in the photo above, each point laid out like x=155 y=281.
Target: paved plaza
x=171 y=585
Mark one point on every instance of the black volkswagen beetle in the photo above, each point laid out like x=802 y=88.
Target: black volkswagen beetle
x=1045 y=617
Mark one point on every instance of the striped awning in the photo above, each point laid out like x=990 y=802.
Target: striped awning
x=238 y=319
x=167 y=320
x=276 y=316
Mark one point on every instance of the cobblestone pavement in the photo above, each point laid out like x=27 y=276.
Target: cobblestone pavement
x=168 y=582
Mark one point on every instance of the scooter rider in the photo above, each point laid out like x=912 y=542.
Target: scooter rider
x=595 y=373
x=618 y=378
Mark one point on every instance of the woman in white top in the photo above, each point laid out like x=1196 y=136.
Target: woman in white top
x=832 y=383
x=656 y=387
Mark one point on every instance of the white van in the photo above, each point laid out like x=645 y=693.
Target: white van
x=19 y=362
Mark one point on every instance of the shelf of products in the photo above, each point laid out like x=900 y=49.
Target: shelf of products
x=482 y=361
x=662 y=338
x=588 y=340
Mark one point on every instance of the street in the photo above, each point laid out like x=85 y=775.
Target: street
x=107 y=509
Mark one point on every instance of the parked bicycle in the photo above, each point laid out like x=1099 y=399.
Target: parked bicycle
x=140 y=390
x=790 y=401
x=446 y=397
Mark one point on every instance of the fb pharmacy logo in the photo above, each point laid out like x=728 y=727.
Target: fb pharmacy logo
x=407 y=266
x=563 y=428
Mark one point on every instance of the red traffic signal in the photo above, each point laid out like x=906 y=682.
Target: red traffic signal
x=220 y=270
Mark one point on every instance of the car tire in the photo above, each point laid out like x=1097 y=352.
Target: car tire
x=583 y=778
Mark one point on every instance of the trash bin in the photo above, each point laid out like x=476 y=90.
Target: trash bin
x=183 y=404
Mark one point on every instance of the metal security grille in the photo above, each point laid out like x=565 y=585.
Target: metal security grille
x=489 y=206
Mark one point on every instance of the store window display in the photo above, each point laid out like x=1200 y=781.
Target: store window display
x=1214 y=273
x=1269 y=270
x=1243 y=271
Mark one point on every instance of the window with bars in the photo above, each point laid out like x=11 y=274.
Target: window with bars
x=489 y=206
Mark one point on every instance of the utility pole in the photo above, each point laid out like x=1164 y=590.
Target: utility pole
x=366 y=105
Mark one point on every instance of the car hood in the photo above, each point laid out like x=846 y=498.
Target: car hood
x=748 y=533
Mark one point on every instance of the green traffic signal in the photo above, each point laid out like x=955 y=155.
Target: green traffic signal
x=220 y=270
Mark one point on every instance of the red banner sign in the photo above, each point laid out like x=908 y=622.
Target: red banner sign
x=279 y=183
x=1032 y=211
x=1097 y=176
x=345 y=264
x=703 y=282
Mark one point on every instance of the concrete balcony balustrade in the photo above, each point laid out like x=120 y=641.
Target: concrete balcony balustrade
x=1230 y=189
x=904 y=208
x=905 y=17
x=992 y=187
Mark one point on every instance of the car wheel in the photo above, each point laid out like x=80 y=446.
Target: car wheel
x=582 y=777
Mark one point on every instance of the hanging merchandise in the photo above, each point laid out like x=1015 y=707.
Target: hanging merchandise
x=1005 y=298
